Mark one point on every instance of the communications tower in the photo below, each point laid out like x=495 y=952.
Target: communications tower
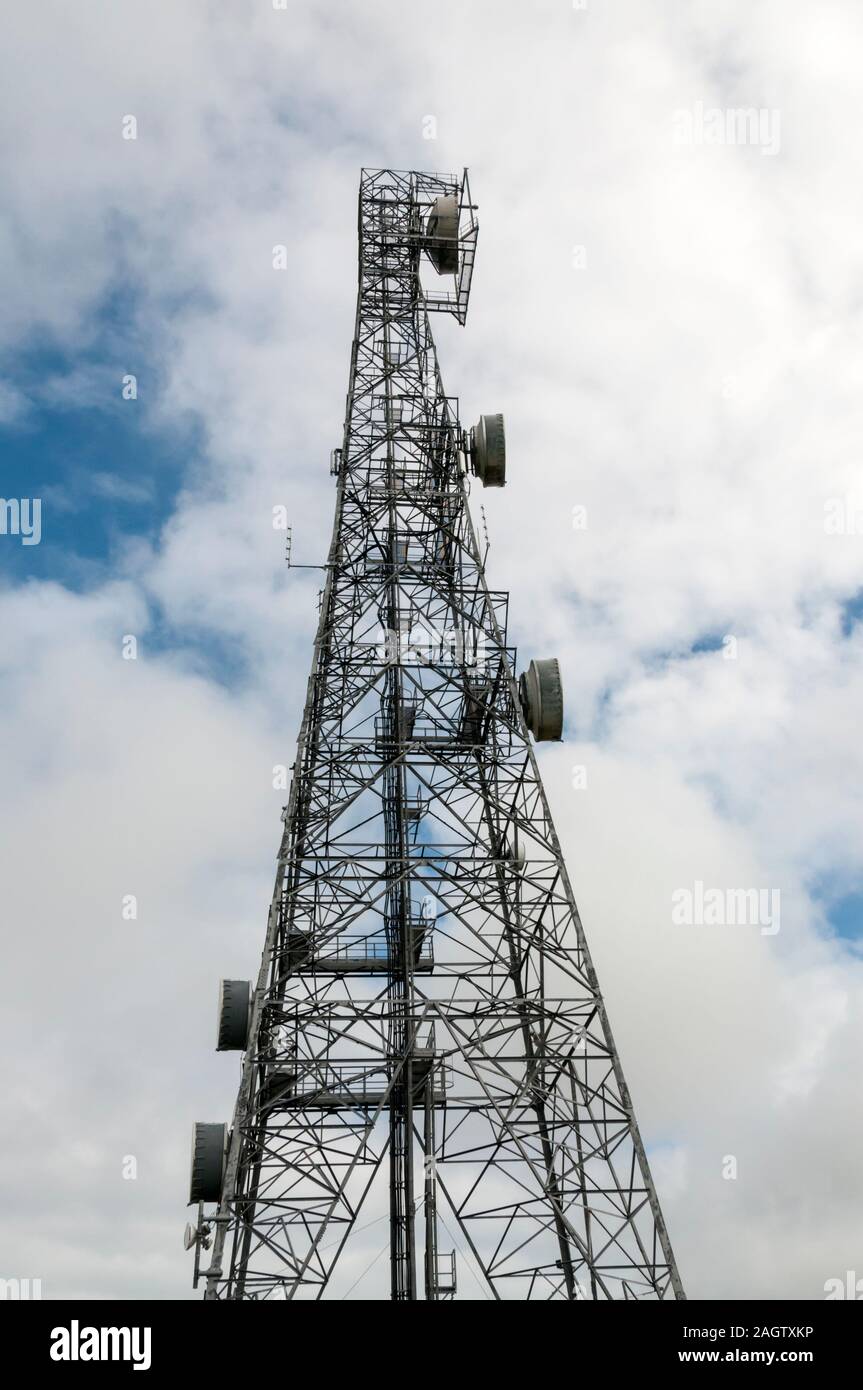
x=428 y=1070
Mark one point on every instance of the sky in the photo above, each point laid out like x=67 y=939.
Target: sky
x=667 y=308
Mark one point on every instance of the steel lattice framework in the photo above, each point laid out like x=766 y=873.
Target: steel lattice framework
x=427 y=1027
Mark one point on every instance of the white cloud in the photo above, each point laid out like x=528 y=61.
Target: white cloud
x=696 y=386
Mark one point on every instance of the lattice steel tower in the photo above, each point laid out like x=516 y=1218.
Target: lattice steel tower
x=427 y=1056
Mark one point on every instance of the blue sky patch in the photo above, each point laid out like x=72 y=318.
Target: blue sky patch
x=842 y=906
x=851 y=613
